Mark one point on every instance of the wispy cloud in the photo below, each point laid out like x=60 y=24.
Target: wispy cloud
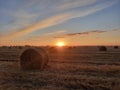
x=81 y=33
x=55 y=32
x=70 y=4
x=37 y=26
x=84 y=33
x=58 y=17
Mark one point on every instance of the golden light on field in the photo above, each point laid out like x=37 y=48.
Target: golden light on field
x=60 y=44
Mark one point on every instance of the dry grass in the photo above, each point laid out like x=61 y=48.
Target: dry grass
x=80 y=69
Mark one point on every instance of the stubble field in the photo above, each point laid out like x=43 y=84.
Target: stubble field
x=71 y=68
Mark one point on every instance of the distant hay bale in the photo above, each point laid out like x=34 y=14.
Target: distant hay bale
x=33 y=59
x=116 y=47
x=102 y=48
x=19 y=47
x=53 y=50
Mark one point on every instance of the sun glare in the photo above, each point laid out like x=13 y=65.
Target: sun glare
x=60 y=44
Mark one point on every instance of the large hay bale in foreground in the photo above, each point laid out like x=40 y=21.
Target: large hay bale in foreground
x=102 y=48
x=33 y=59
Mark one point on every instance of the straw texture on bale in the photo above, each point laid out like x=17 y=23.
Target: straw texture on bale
x=33 y=59
x=102 y=48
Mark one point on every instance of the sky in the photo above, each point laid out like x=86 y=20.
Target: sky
x=46 y=22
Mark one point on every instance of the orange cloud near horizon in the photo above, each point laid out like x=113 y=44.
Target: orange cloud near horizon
x=87 y=38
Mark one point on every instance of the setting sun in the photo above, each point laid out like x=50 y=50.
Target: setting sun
x=60 y=44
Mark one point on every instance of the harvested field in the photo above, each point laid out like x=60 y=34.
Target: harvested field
x=80 y=68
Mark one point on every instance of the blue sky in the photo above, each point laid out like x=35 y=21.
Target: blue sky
x=45 y=22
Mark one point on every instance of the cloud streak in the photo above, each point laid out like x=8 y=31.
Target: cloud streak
x=41 y=25
x=81 y=33
x=84 y=33
x=67 y=4
x=55 y=32
x=58 y=18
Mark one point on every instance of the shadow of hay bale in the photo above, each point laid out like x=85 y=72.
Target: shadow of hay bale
x=102 y=48
x=33 y=59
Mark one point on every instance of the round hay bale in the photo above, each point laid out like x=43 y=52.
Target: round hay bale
x=53 y=50
x=116 y=47
x=33 y=59
x=102 y=48
x=19 y=47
